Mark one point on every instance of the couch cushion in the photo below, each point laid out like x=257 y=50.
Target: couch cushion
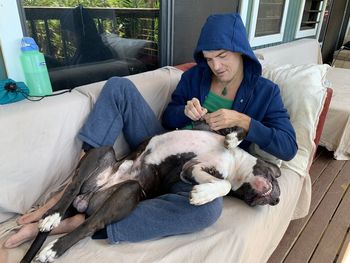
x=235 y=237
x=303 y=92
x=39 y=148
x=303 y=51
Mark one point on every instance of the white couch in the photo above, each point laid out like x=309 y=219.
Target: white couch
x=336 y=132
x=39 y=149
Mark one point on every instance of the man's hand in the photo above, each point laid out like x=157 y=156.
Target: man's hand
x=194 y=110
x=224 y=118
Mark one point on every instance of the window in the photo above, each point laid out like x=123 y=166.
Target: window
x=89 y=41
x=267 y=21
x=310 y=16
x=2 y=66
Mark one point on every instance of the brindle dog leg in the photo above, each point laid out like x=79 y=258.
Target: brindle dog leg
x=124 y=199
x=93 y=163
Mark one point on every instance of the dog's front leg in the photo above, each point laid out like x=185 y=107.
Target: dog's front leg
x=209 y=182
x=233 y=136
x=121 y=202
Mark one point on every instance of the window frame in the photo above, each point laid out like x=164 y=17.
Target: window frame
x=243 y=10
x=268 y=39
x=299 y=33
x=11 y=45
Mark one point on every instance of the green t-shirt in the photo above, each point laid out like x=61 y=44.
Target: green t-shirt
x=213 y=103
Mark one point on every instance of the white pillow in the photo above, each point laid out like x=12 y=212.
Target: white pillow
x=303 y=93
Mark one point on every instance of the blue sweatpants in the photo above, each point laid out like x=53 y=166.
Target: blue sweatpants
x=120 y=107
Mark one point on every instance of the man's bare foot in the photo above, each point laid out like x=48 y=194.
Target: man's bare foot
x=25 y=233
x=29 y=231
x=37 y=214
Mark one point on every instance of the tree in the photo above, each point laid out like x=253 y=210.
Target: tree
x=94 y=3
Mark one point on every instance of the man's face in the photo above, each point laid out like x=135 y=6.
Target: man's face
x=225 y=65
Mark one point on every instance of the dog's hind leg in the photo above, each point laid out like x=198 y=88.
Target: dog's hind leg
x=53 y=217
x=90 y=165
x=121 y=202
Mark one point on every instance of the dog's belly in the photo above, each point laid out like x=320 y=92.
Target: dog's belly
x=111 y=177
x=182 y=141
x=160 y=164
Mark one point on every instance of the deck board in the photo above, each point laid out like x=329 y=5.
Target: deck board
x=330 y=180
x=320 y=164
x=345 y=248
x=308 y=240
x=336 y=232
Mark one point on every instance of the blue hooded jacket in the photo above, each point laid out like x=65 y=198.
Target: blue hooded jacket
x=257 y=97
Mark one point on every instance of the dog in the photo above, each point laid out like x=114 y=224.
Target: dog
x=107 y=190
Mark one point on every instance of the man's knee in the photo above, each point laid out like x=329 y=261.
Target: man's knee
x=119 y=86
x=209 y=213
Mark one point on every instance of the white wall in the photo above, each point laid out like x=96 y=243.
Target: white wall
x=10 y=38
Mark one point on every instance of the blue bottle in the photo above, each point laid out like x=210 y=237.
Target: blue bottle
x=34 y=68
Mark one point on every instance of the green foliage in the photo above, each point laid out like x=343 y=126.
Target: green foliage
x=94 y=3
x=59 y=46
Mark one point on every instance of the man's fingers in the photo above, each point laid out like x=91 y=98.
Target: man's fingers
x=192 y=110
x=191 y=114
x=194 y=114
x=196 y=108
x=204 y=111
x=197 y=105
x=213 y=121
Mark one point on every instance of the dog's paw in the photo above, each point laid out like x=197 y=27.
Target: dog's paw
x=202 y=194
x=232 y=140
x=47 y=254
x=49 y=222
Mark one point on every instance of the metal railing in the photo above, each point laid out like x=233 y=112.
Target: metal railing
x=44 y=25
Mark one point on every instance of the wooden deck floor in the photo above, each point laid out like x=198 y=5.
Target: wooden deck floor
x=322 y=236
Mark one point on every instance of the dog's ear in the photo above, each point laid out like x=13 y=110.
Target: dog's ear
x=276 y=171
x=263 y=166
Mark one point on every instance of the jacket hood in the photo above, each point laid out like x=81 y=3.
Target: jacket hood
x=226 y=31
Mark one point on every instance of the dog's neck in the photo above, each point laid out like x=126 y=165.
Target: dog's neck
x=242 y=168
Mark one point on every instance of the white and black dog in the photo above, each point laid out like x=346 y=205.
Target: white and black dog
x=107 y=190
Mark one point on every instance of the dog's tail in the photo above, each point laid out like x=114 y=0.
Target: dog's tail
x=34 y=248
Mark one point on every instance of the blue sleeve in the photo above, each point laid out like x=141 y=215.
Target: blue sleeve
x=275 y=133
x=174 y=116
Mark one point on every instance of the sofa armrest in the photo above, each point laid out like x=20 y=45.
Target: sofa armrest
x=323 y=115
x=185 y=66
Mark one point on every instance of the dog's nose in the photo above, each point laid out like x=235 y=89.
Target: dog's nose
x=275 y=201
